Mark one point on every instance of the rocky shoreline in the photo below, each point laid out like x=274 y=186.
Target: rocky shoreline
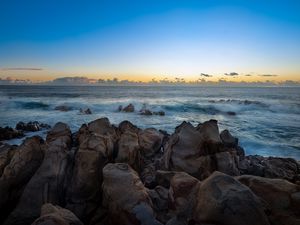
x=105 y=174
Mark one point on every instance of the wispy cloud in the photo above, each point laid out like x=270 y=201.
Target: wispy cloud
x=268 y=75
x=231 y=74
x=22 y=68
x=205 y=75
x=248 y=75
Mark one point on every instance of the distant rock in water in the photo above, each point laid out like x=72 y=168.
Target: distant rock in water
x=7 y=133
x=128 y=108
x=32 y=126
x=125 y=175
x=63 y=108
x=230 y=113
x=85 y=111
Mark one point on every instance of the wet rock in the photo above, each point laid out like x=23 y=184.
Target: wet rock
x=48 y=184
x=20 y=166
x=160 y=200
x=230 y=113
x=56 y=215
x=7 y=133
x=159 y=113
x=223 y=200
x=6 y=154
x=128 y=126
x=63 y=108
x=85 y=111
x=128 y=108
x=146 y=112
x=283 y=197
x=125 y=196
x=228 y=140
x=150 y=141
x=32 y=126
x=120 y=108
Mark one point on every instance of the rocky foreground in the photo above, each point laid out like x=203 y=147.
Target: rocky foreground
x=104 y=175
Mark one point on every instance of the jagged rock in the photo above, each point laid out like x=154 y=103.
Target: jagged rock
x=7 y=133
x=56 y=215
x=163 y=177
x=128 y=126
x=283 y=198
x=32 y=126
x=159 y=197
x=272 y=167
x=150 y=141
x=85 y=111
x=95 y=150
x=199 y=151
x=63 y=108
x=6 y=154
x=125 y=196
x=223 y=200
x=48 y=183
x=159 y=113
x=228 y=140
x=146 y=112
x=19 y=169
x=128 y=108
x=129 y=150
x=182 y=192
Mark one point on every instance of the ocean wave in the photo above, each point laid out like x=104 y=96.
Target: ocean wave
x=32 y=105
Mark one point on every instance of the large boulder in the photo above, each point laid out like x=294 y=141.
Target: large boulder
x=199 y=151
x=128 y=108
x=56 y=215
x=48 y=184
x=7 y=133
x=125 y=196
x=150 y=141
x=6 y=154
x=31 y=126
x=283 y=198
x=96 y=146
x=19 y=168
x=223 y=200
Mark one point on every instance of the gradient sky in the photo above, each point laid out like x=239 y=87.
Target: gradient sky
x=142 y=39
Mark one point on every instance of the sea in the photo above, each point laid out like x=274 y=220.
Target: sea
x=266 y=120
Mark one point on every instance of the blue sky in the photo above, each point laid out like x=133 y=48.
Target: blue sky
x=145 y=39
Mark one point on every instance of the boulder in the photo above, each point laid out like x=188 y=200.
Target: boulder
x=63 y=108
x=199 y=151
x=56 y=215
x=6 y=154
x=85 y=111
x=125 y=196
x=32 y=126
x=95 y=150
x=223 y=200
x=48 y=184
x=128 y=108
x=227 y=139
x=283 y=198
x=150 y=141
x=159 y=197
x=7 y=133
x=19 y=168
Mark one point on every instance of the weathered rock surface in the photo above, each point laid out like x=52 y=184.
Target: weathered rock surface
x=128 y=108
x=18 y=171
x=283 y=198
x=7 y=133
x=199 y=151
x=6 y=154
x=125 y=196
x=32 y=126
x=48 y=183
x=223 y=200
x=56 y=215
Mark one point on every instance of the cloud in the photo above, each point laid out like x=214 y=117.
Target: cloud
x=268 y=75
x=248 y=75
x=231 y=74
x=22 y=68
x=205 y=75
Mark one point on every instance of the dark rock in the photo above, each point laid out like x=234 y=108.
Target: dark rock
x=85 y=111
x=128 y=108
x=223 y=200
x=146 y=112
x=56 y=215
x=63 y=108
x=6 y=154
x=7 y=133
x=228 y=140
x=230 y=113
x=32 y=126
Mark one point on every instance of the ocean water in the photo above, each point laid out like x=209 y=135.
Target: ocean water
x=267 y=120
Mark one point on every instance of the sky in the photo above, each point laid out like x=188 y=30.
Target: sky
x=241 y=40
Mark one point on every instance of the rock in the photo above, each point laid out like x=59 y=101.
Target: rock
x=146 y=112
x=120 y=108
x=32 y=126
x=85 y=111
x=159 y=197
x=223 y=200
x=95 y=150
x=63 y=108
x=125 y=196
x=198 y=151
x=163 y=177
x=128 y=108
x=19 y=168
x=129 y=150
x=230 y=113
x=56 y=215
x=272 y=167
x=182 y=192
x=283 y=197
x=150 y=141
x=7 y=133
x=6 y=154
x=228 y=140
x=48 y=184
x=128 y=126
